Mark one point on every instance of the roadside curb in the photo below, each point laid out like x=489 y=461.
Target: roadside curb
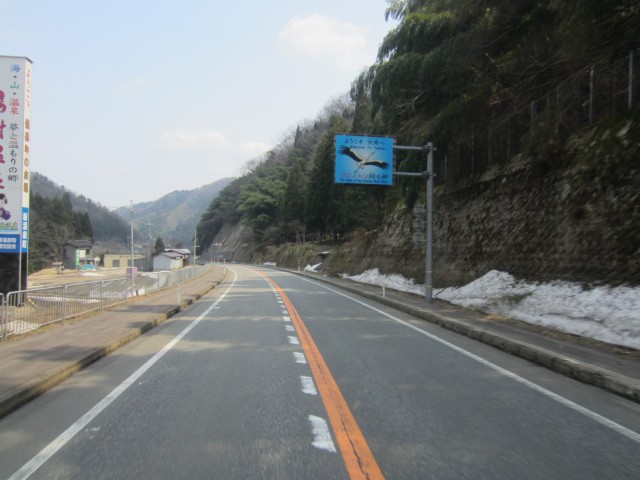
x=32 y=389
x=626 y=387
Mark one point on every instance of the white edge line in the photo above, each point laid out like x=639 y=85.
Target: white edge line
x=564 y=401
x=47 y=452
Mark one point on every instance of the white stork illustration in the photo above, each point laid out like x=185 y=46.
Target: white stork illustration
x=363 y=162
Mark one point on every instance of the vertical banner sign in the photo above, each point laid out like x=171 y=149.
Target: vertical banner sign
x=15 y=131
x=364 y=160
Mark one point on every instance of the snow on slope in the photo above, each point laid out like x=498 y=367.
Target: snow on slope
x=609 y=314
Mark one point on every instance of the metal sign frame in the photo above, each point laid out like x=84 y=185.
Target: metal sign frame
x=374 y=159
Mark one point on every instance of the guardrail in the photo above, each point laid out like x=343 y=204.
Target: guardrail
x=27 y=310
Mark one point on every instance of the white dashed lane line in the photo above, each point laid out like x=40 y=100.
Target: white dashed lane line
x=308 y=386
x=321 y=434
x=299 y=358
x=319 y=427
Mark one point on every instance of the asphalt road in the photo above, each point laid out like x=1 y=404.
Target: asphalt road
x=276 y=376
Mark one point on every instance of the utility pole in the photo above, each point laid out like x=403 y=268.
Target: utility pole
x=149 y=224
x=195 y=245
x=132 y=261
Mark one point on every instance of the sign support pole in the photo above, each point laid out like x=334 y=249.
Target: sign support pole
x=429 y=260
x=428 y=174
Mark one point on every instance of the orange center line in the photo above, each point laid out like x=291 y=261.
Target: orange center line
x=357 y=456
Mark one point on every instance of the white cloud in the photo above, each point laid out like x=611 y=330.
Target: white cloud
x=205 y=139
x=324 y=38
x=253 y=149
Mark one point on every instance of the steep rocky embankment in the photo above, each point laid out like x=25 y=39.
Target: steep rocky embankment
x=574 y=215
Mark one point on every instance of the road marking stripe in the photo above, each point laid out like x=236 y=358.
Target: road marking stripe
x=357 y=456
x=321 y=434
x=308 y=386
x=293 y=340
x=50 y=450
x=299 y=358
x=534 y=386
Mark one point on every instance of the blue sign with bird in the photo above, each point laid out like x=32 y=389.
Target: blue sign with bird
x=364 y=160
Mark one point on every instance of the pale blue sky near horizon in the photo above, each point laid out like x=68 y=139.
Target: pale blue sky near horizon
x=135 y=99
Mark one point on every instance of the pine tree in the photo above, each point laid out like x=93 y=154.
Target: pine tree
x=323 y=197
x=159 y=246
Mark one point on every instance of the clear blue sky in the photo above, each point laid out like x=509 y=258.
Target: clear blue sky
x=134 y=99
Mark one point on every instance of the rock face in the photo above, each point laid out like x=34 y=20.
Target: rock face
x=390 y=249
x=576 y=218
x=234 y=243
x=572 y=223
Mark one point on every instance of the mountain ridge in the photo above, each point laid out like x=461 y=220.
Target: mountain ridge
x=173 y=216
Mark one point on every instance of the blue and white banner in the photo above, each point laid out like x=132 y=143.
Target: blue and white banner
x=364 y=160
x=15 y=138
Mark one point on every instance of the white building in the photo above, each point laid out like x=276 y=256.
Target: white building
x=168 y=261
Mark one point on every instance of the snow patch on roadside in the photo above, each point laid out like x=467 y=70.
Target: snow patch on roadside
x=609 y=314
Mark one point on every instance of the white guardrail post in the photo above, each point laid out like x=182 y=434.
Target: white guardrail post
x=64 y=304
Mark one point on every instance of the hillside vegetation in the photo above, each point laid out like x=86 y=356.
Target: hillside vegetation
x=508 y=92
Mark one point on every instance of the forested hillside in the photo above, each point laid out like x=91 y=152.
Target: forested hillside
x=106 y=226
x=53 y=223
x=499 y=87
x=58 y=216
x=289 y=195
